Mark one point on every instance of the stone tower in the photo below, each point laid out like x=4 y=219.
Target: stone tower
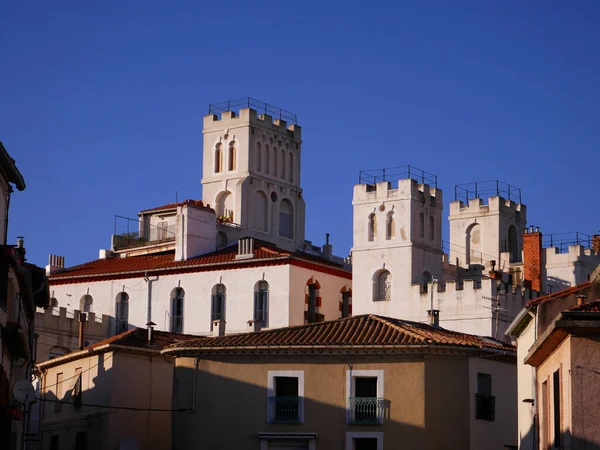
x=251 y=175
x=480 y=232
x=397 y=243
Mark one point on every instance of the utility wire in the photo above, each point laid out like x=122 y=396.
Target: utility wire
x=79 y=374
x=127 y=408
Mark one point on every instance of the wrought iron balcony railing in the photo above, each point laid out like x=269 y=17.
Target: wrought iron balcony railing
x=366 y=410
x=285 y=409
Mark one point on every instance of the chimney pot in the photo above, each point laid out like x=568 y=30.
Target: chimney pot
x=434 y=317
x=581 y=299
x=218 y=327
x=20 y=241
x=150 y=326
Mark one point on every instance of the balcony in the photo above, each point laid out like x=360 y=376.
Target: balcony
x=134 y=239
x=365 y=410
x=285 y=409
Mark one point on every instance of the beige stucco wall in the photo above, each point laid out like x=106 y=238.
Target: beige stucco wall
x=111 y=379
x=428 y=398
x=231 y=402
x=559 y=359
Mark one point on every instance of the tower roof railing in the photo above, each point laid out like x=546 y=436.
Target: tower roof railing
x=562 y=241
x=486 y=189
x=393 y=174
x=249 y=102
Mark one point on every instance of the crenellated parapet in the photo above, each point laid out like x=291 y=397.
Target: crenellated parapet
x=249 y=116
x=497 y=204
x=68 y=321
x=406 y=189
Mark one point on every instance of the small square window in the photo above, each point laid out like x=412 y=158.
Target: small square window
x=364 y=440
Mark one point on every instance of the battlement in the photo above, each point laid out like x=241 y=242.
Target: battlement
x=68 y=320
x=482 y=287
x=497 y=204
x=248 y=111
x=407 y=189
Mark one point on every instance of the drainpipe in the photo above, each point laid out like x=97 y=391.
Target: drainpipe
x=149 y=281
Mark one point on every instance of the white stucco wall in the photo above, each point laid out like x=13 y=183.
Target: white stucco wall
x=563 y=270
x=286 y=296
x=526 y=388
x=494 y=435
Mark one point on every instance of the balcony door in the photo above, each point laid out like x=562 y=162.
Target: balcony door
x=365 y=393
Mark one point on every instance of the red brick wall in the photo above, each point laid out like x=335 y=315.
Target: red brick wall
x=532 y=259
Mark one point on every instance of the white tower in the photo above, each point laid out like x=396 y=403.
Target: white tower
x=397 y=242
x=251 y=174
x=482 y=232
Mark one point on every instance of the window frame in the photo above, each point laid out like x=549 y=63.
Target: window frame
x=175 y=297
x=264 y=320
x=351 y=388
x=352 y=435
x=271 y=375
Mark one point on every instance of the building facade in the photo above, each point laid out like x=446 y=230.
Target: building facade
x=364 y=382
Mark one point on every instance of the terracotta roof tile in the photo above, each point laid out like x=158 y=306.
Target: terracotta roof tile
x=560 y=294
x=138 y=338
x=587 y=307
x=264 y=254
x=196 y=203
x=365 y=330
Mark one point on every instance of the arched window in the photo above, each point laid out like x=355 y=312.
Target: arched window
x=275 y=166
x=372 y=227
x=383 y=286
x=57 y=351
x=232 y=155
x=431 y=228
x=286 y=219
x=218 y=158
x=221 y=240
x=291 y=167
x=390 y=226
x=218 y=304
x=122 y=313
x=177 y=296
x=346 y=302
x=85 y=303
x=313 y=301
x=282 y=165
x=513 y=244
x=421 y=225
x=473 y=247
x=258 y=157
x=267 y=155
x=260 y=211
x=261 y=303
x=225 y=206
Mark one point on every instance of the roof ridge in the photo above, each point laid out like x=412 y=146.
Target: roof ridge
x=397 y=327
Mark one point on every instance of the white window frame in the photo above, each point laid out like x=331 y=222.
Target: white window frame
x=351 y=387
x=351 y=435
x=272 y=374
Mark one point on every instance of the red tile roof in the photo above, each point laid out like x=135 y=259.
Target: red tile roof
x=365 y=330
x=134 y=266
x=138 y=338
x=196 y=203
x=587 y=307
x=580 y=288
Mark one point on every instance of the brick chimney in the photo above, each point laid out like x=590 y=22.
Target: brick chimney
x=596 y=243
x=532 y=258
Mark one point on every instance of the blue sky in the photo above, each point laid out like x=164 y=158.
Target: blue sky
x=102 y=103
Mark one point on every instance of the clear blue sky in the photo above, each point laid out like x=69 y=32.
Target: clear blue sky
x=102 y=103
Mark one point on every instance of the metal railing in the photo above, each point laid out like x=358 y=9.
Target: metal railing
x=257 y=105
x=127 y=235
x=485 y=189
x=562 y=241
x=285 y=409
x=393 y=174
x=366 y=410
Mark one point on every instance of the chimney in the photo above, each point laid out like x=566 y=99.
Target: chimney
x=245 y=249
x=434 y=317
x=81 y=329
x=596 y=243
x=150 y=326
x=20 y=241
x=581 y=299
x=532 y=258
x=55 y=264
x=327 y=248
x=218 y=327
x=255 y=324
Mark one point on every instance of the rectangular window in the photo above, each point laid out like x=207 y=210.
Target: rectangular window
x=77 y=389
x=54 y=442
x=81 y=440
x=365 y=404
x=365 y=443
x=485 y=402
x=177 y=315
x=286 y=396
x=364 y=440
x=59 y=392
x=556 y=408
x=345 y=304
x=285 y=225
